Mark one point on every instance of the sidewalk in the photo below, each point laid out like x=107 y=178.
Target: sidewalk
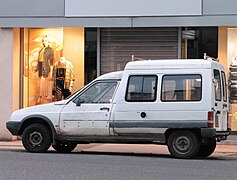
x=231 y=140
x=228 y=146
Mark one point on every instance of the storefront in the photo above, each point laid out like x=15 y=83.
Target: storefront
x=55 y=61
x=77 y=47
x=49 y=52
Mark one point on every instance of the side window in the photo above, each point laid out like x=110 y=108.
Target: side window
x=186 y=87
x=224 y=86
x=100 y=92
x=217 y=81
x=141 y=88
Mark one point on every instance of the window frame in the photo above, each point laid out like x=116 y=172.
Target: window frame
x=143 y=76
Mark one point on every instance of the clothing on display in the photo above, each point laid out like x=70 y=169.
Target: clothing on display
x=44 y=68
x=233 y=81
x=63 y=77
x=45 y=60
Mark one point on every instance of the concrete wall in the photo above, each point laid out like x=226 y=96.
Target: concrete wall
x=219 y=7
x=9 y=78
x=125 y=8
x=132 y=13
x=31 y=8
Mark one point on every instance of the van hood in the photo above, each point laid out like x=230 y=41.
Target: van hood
x=43 y=107
x=46 y=110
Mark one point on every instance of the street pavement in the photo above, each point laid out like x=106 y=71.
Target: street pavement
x=228 y=147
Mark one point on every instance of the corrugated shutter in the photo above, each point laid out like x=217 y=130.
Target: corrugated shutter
x=119 y=44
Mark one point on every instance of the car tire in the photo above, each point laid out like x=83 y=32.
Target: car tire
x=207 y=149
x=183 y=144
x=36 y=138
x=64 y=147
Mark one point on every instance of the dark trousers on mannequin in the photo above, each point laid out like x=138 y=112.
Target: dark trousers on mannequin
x=61 y=92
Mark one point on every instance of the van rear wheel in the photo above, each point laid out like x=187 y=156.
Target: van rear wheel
x=207 y=149
x=64 y=147
x=183 y=144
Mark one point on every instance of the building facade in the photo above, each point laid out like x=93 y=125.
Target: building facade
x=80 y=40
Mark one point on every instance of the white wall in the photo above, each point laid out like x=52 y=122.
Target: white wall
x=123 y=8
x=9 y=78
x=31 y=8
x=219 y=7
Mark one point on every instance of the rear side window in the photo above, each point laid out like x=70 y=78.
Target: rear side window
x=141 y=88
x=224 y=86
x=217 y=81
x=186 y=87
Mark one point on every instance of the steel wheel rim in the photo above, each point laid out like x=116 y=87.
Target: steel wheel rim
x=36 y=138
x=182 y=144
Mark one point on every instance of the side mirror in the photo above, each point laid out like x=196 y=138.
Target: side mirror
x=78 y=103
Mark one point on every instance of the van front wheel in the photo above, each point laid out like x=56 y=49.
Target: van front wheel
x=183 y=144
x=36 y=138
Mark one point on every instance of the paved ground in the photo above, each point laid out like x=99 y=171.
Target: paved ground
x=228 y=147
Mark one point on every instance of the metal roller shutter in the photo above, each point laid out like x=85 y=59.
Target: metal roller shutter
x=119 y=44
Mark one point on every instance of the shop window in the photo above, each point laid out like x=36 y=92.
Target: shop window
x=90 y=54
x=199 y=40
x=55 y=59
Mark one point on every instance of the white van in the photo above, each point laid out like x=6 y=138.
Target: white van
x=180 y=103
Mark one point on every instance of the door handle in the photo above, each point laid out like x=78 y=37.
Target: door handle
x=104 y=108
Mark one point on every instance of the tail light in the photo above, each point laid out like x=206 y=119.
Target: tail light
x=210 y=119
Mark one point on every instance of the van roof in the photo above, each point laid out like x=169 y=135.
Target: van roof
x=111 y=75
x=161 y=64
x=170 y=64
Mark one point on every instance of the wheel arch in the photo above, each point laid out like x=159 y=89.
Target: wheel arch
x=168 y=132
x=38 y=119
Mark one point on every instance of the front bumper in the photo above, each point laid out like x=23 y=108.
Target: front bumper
x=13 y=127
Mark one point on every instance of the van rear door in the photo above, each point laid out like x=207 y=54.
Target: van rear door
x=220 y=101
x=225 y=101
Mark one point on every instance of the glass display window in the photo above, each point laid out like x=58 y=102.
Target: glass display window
x=55 y=64
x=232 y=75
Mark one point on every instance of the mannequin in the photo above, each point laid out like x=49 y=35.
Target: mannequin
x=234 y=61
x=45 y=69
x=233 y=80
x=63 y=77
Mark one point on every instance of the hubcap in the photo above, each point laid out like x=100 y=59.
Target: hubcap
x=36 y=138
x=182 y=144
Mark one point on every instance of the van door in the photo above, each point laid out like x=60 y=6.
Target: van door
x=89 y=113
x=225 y=103
x=220 y=101
x=135 y=112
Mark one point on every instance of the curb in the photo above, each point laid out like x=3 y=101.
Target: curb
x=119 y=148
